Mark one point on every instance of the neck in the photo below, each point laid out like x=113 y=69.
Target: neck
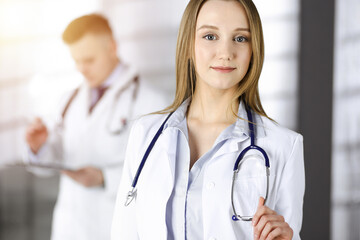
x=114 y=65
x=213 y=106
x=111 y=70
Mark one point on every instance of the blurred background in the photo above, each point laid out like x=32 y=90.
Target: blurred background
x=310 y=83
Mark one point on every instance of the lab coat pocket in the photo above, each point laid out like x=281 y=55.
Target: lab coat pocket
x=250 y=183
x=246 y=194
x=116 y=124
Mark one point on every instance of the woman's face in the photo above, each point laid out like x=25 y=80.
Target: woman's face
x=222 y=44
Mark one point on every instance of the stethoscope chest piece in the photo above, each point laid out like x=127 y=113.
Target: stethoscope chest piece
x=130 y=196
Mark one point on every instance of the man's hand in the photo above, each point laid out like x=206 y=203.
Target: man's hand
x=36 y=135
x=269 y=225
x=87 y=176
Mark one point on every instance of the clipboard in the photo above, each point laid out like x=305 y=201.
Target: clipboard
x=50 y=166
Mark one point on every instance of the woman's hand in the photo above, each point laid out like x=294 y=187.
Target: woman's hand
x=269 y=225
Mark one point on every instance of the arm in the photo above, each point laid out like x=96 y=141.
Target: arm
x=124 y=220
x=285 y=222
x=43 y=146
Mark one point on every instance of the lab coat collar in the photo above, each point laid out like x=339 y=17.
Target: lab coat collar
x=235 y=134
x=178 y=116
x=114 y=76
x=241 y=125
x=118 y=78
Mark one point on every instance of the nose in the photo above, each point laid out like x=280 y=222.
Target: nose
x=226 y=50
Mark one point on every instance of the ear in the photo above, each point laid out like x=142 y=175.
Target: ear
x=112 y=44
x=112 y=47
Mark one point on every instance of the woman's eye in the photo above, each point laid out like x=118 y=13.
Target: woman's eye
x=241 y=39
x=210 y=37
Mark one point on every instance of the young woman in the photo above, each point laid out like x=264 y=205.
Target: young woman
x=179 y=163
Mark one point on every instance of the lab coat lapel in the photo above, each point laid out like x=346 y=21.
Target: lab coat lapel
x=239 y=138
x=173 y=134
x=234 y=145
x=169 y=139
x=154 y=194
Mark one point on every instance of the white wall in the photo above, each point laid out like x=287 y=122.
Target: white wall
x=147 y=32
x=279 y=80
x=36 y=68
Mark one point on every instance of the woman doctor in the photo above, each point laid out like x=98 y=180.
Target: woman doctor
x=186 y=188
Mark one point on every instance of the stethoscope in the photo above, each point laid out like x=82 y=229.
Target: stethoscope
x=132 y=193
x=123 y=121
x=112 y=128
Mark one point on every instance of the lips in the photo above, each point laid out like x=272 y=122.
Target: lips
x=223 y=69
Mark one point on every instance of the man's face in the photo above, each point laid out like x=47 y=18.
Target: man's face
x=95 y=57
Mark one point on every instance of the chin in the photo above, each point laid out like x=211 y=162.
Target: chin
x=224 y=86
x=92 y=83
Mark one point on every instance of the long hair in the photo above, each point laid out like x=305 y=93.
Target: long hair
x=185 y=69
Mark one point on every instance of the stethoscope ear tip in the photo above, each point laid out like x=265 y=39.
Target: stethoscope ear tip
x=234 y=218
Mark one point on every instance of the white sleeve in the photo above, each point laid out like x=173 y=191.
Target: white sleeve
x=124 y=224
x=289 y=202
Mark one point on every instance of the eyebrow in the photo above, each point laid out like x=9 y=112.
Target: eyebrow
x=216 y=28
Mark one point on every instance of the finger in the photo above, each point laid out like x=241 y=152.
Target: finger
x=71 y=174
x=66 y=172
x=30 y=130
x=37 y=120
x=284 y=231
x=261 y=202
x=272 y=222
x=39 y=126
x=259 y=211
x=263 y=222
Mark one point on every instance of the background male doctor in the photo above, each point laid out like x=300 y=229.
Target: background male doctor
x=92 y=134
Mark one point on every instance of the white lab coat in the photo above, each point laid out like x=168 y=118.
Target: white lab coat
x=145 y=217
x=83 y=213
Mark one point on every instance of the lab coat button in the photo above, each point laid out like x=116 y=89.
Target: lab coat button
x=210 y=185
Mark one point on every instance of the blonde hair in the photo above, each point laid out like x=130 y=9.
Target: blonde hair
x=91 y=23
x=185 y=68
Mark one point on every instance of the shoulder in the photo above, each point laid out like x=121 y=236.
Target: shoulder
x=280 y=136
x=145 y=127
x=69 y=95
x=142 y=132
x=274 y=129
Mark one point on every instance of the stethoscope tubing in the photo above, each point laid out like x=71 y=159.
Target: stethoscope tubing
x=148 y=150
x=235 y=217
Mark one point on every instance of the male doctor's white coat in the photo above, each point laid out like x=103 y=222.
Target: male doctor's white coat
x=85 y=139
x=146 y=216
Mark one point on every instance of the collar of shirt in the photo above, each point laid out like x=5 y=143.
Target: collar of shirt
x=112 y=78
x=236 y=130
